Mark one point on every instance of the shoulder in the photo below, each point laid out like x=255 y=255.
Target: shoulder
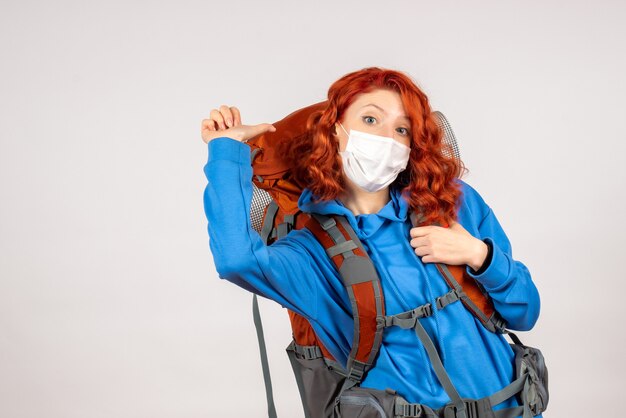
x=469 y=194
x=311 y=250
x=472 y=208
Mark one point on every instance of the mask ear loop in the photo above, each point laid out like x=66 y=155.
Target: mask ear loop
x=344 y=129
x=335 y=137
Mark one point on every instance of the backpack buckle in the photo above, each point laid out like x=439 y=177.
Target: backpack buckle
x=408 y=410
x=450 y=297
x=408 y=319
x=427 y=310
x=471 y=410
x=326 y=222
x=356 y=371
x=498 y=322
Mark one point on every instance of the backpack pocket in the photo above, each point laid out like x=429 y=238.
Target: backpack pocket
x=318 y=383
x=360 y=402
x=530 y=360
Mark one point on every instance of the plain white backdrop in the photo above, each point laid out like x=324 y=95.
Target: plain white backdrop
x=110 y=305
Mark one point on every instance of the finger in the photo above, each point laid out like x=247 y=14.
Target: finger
x=261 y=128
x=227 y=114
x=208 y=128
x=421 y=251
x=218 y=118
x=419 y=242
x=208 y=125
x=420 y=231
x=236 y=115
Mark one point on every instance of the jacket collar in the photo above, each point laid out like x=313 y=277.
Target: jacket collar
x=364 y=225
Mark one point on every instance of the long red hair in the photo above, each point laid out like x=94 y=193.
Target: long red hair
x=431 y=172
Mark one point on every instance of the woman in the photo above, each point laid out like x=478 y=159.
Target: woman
x=374 y=155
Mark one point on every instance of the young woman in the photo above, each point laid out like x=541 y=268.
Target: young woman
x=374 y=155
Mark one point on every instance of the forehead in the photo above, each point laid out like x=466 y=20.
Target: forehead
x=388 y=100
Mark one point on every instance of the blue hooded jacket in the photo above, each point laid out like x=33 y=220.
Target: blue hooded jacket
x=296 y=272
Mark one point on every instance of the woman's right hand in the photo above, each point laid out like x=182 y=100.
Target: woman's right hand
x=226 y=121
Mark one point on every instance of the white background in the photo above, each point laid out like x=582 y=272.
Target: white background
x=110 y=305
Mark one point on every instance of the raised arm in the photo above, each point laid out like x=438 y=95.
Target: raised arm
x=278 y=271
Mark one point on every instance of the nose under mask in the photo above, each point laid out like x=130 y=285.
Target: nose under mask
x=371 y=161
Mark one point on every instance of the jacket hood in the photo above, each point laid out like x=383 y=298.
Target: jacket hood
x=396 y=210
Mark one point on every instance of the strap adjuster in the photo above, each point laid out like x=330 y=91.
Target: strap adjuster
x=427 y=310
x=408 y=319
x=326 y=222
x=308 y=352
x=450 y=297
x=498 y=323
x=356 y=371
x=408 y=410
x=471 y=410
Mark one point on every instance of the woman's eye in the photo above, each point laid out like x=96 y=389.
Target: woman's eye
x=369 y=119
x=402 y=131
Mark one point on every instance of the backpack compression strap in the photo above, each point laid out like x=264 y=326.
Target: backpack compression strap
x=363 y=285
x=268 y=233
x=267 y=379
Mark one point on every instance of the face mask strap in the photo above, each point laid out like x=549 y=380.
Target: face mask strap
x=344 y=129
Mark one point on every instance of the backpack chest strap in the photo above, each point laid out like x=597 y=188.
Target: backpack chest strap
x=410 y=320
x=406 y=320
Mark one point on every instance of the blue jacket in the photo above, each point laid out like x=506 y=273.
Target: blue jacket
x=296 y=272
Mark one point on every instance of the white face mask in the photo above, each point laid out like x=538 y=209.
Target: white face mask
x=371 y=161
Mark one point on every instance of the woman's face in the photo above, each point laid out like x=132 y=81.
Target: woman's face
x=379 y=112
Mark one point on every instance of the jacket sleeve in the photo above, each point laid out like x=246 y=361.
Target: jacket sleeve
x=278 y=271
x=507 y=280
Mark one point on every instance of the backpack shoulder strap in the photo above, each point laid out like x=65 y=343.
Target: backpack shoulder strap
x=363 y=286
x=473 y=296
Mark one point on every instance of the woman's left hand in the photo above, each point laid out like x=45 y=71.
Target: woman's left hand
x=453 y=245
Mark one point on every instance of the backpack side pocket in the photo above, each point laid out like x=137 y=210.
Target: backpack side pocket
x=530 y=360
x=360 y=402
x=318 y=383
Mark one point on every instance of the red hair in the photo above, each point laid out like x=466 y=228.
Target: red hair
x=431 y=172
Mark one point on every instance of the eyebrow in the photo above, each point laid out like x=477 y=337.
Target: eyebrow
x=382 y=110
